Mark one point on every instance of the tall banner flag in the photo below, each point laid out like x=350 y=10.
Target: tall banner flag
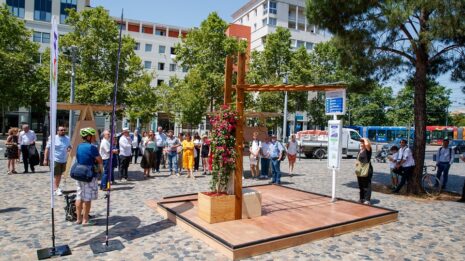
x=63 y=250
x=53 y=98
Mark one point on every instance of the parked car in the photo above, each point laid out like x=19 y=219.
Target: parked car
x=458 y=146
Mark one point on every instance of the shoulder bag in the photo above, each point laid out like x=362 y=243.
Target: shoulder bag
x=361 y=169
x=82 y=172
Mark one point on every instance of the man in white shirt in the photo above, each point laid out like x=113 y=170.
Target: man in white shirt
x=444 y=158
x=160 y=139
x=105 y=152
x=265 y=158
x=125 y=149
x=62 y=149
x=27 y=139
x=406 y=163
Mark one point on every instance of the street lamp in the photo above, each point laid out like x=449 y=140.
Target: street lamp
x=285 y=81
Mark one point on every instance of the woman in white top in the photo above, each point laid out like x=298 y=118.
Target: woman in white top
x=149 y=159
x=292 y=153
x=392 y=165
x=254 y=150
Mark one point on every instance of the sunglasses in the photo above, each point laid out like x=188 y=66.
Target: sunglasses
x=61 y=130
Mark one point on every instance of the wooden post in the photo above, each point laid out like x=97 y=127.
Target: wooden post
x=228 y=80
x=239 y=135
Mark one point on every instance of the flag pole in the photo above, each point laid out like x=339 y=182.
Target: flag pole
x=54 y=250
x=111 y=245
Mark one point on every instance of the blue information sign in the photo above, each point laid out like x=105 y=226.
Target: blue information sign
x=335 y=102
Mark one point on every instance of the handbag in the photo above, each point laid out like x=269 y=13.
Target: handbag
x=34 y=158
x=82 y=172
x=361 y=169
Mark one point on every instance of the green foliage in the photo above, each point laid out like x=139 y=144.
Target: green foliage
x=203 y=52
x=458 y=120
x=369 y=109
x=96 y=37
x=141 y=99
x=437 y=98
x=18 y=63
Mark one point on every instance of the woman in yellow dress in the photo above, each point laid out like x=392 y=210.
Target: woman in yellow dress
x=188 y=155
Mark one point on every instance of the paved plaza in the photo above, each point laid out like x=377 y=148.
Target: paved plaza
x=426 y=230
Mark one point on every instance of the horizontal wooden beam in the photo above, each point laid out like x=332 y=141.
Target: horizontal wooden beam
x=289 y=87
x=79 y=106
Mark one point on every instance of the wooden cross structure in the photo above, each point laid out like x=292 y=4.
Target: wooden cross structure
x=240 y=88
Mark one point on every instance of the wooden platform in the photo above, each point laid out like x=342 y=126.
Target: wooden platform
x=290 y=217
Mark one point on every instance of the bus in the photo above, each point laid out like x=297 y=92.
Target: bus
x=435 y=134
x=383 y=133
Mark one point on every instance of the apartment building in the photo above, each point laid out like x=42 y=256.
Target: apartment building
x=263 y=16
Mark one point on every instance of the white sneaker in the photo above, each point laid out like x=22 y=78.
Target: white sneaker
x=58 y=192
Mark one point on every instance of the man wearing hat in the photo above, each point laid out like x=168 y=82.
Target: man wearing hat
x=125 y=149
x=444 y=158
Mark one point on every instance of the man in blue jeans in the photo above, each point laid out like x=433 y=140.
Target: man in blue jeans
x=172 y=144
x=276 y=152
x=265 y=158
x=444 y=158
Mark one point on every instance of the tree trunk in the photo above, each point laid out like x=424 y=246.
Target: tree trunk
x=419 y=118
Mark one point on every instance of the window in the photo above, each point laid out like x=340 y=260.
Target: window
x=161 y=32
x=148 y=47
x=160 y=82
x=272 y=21
x=40 y=37
x=184 y=69
x=255 y=26
x=147 y=64
x=273 y=8
x=354 y=136
x=172 y=67
x=291 y=25
x=265 y=8
x=16 y=7
x=255 y=12
x=264 y=22
x=309 y=45
x=66 y=4
x=161 y=49
x=173 y=51
x=43 y=10
x=161 y=66
x=137 y=47
x=300 y=43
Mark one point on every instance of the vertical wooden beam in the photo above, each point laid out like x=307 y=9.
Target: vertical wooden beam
x=239 y=135
x=228 y=71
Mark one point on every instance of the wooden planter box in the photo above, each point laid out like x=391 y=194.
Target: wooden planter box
x=215 y=209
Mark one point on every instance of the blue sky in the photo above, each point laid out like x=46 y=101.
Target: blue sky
x=186 y=13
x=190 y=13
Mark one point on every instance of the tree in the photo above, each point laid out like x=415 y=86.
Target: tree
x=369 y=109
x=18 y=60
x=203 y=53
x=437 y=100
x=96 y=37
x=382 y=38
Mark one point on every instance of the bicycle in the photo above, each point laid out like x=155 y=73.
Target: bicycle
x=430 y=183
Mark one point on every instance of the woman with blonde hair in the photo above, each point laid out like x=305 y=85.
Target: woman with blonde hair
x=12 y=149
x=364 y=171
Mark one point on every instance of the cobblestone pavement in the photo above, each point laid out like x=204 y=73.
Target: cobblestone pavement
x=426 y=230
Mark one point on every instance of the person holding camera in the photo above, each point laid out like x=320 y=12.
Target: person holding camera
x=405 y=165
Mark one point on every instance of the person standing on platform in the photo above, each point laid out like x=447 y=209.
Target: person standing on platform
x=125 y=149
x=179 y=150
x=136 y=139
x=87 y=154
x=12 y=150
x=265 y=158
x=160 y=139
x=254 y=150
x=62 y=149
x=444 y=159
x=364 y=183
x=276 y=153
x=188 y=155
x=27 y=139
x=292 y=153
x=406 y=164
x=172 y=144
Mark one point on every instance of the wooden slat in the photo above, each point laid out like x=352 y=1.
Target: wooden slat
x=79 y=106
x=288 y=87
x=228 y=80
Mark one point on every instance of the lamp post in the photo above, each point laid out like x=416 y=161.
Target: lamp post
x=73 y=51
x=285 y=81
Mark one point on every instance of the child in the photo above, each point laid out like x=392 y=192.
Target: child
x=392 y=165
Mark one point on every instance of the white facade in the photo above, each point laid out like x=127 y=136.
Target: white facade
x=263 y=16
x=156 y=49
